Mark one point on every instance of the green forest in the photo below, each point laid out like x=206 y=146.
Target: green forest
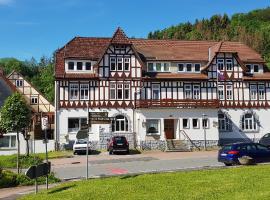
x=252 y=28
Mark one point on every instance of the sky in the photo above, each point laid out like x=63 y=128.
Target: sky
x=35 y=28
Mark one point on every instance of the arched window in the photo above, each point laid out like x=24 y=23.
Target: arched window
x=224 y=123
x=249 y=122
x=120 y=124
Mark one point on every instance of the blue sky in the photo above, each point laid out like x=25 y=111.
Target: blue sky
x=38 y=27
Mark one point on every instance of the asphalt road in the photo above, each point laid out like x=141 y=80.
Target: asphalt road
x=129 y=165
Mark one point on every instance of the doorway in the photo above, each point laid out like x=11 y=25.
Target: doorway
x=169 y=128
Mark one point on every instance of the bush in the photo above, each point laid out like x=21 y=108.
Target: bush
x=8 y=179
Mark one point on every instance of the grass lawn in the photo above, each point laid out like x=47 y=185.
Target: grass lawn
x=10 y=160
x=252 y=182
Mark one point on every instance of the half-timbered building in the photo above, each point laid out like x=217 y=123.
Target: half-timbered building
x=39 y=105
x=159 y=91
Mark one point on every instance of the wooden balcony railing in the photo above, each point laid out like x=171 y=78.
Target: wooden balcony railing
x=183 y=103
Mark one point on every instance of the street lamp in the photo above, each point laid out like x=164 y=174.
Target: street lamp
x=204 y=122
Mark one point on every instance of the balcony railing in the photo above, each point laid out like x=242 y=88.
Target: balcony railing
x=183 y=103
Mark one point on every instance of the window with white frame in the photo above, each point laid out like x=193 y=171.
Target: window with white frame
x=255 y=68
x=185 y=122
x=113 y=64
x=197 y=67
x=34 y=100
x=119 y=64
x=229 y=92
x=181 y=67
x=220 y=64
x=71 y=65
x=261 y=91
x=79 y=66
x=155 y=91
x=224 y=123
x=126 y=90
x=8 y=142
x=127 y=64
x=195 y=123
x=75 y=124
x=253 y=92
x=188 y=94
x=74 y=91
x=221 y=92
x=229 y=64
x=158 y=67
x=153 y=127
x=19 y=83
x=112 y=90
x=88 y=66
x=189 y=67
x=120 y=124
x=249 y=122
x=119 y=91
x=248 y=66
x=84 y=91
x=196 y=91
x=205 y=123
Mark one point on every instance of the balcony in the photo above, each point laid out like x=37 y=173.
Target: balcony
x=174 y=103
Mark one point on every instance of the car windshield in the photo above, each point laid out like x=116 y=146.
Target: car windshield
x=120 y=139
x=81 y=142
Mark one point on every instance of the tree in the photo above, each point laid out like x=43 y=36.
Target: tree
x=15 y=116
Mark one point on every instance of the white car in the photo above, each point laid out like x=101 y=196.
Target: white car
x=80 y=146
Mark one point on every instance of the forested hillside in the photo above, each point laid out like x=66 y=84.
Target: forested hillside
x=252 y=28
x=40 y=74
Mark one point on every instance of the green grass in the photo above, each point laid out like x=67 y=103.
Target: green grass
x=252 y=182
x=26 y=161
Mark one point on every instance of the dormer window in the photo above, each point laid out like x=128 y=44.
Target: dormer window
x=189 y=67
x=248 y=68
x=88 y=66
x=181 y=67
x=119 y=47
x=255 y=68
x=70 y=65
x=197 y=67
x=79 y=65
x=158 y=67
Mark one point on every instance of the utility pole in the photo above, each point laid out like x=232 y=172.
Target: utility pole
x=204 y=131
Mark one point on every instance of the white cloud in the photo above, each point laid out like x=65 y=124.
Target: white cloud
x=6 y=2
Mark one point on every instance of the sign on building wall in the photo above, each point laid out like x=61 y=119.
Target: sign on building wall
x=99 y=118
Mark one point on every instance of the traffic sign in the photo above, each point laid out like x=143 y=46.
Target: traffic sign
x=36 y=171
x=44 y=123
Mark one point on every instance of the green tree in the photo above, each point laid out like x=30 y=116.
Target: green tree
x=15 y=116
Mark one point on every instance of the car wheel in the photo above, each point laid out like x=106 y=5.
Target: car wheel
x=228 y=164
x=110 y=152
x=127 y=152
x=74 y=153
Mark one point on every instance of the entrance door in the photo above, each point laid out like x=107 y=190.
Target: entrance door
x=169 y=128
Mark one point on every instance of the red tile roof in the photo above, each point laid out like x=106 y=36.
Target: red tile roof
x=119 y=37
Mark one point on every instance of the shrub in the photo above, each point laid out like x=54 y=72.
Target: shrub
x=8 y=179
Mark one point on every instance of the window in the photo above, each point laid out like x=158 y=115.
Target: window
x=261 y=147
x=196 y=92
x=158 y=67
x=205 y=123
x=119 y=64
x=253 y=92
x=150 y=67
x=229 y=93
x=84 y=91
x=74 y=91
x=229 y=65
x=120 y=47
x=188 y=92
x=221 y=92
x=195 y=123
x=88 y=66
x=119 y=91
x=255 y=68
x=249 y=122
x=166 y=67
x=152 y=127
x=261 y=92
x=70 y=65
x=224 y=124
x=127 y=63
x=220 y=64
x=74 y=124
x=185 y=123
x=8 y=141
x=197 y=67
x=126 y=91
x=120 y=124
x=79 y=65
x=155 y=91
x=112 y=91
x=180 y=67
x=248 y=68
x=113 y=64
x=19 y=83
x=34 y=100
x=188 y=67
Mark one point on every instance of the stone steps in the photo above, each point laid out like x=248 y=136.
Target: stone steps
x=176 y=146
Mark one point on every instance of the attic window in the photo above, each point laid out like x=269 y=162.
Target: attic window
x=79 y=65
x=34 y=100
x=197 y=67
x=19 y=83
x=70 y=65
x=88 y=66
x=119 y=47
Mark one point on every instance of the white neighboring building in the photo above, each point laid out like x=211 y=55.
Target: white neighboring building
x=15 y=82
x=160 y=90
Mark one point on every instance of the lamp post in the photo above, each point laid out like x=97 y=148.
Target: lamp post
x=204 y=131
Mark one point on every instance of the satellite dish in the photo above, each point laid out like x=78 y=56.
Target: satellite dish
x=82 y=134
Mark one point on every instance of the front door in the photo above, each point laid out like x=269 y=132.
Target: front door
x=169 y=128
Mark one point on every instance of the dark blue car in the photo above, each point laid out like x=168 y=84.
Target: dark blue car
x=230 y=154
